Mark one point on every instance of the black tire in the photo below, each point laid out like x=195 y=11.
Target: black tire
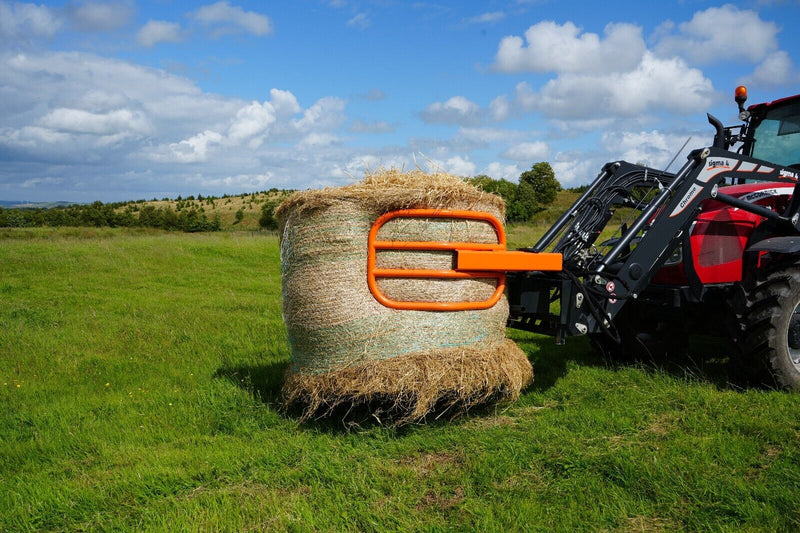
x=769 y=342
x=641 y=337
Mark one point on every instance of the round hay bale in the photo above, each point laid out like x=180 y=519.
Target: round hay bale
x=348 y=349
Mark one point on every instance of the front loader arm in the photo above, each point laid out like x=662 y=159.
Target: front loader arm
x=595 y=284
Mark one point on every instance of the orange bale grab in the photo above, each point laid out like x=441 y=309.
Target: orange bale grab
x=474 y=260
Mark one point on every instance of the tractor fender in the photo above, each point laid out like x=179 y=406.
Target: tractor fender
x=783 y=245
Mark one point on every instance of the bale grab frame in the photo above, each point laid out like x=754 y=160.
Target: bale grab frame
x=473 y=260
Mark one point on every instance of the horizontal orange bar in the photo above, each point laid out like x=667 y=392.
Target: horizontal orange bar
x=441 y=306
x=433 y=245
x=439 y=213
x=423 y=273
x=507 y=261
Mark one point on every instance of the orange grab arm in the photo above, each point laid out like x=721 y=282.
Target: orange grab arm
x=475 y=260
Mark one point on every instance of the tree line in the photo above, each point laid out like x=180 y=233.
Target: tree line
x=99 y=214
x=536 y=189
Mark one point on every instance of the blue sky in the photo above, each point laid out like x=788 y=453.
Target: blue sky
x=134 y=99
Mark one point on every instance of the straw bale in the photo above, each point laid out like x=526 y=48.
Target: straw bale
x=408 y=387
x=339 y=334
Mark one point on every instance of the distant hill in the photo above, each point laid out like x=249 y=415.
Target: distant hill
x=201 y=213
x=226 y=208
x=23 y=204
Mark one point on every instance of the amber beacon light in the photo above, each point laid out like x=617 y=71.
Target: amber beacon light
x=740 y=94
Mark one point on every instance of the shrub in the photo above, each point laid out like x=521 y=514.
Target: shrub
x=543 y=181
x=520 y=201
x=267 y=219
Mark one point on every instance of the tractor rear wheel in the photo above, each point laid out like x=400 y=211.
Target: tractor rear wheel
x=770 y=329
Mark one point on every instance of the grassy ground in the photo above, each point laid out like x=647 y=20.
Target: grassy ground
x=138 y=373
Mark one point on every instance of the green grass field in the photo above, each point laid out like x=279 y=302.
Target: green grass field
x=139 y=371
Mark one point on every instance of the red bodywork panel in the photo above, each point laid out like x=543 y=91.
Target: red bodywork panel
x=774 y=102
x=720 y=234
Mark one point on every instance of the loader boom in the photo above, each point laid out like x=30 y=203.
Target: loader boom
x=597 y=283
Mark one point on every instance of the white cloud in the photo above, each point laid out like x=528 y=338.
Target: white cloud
x=360 y=164
x=257 y=124
x=457 y=165
x=487 y=18
x=195 y=148
x=25 y=21
x=777 y=70
x=232 y=19
x=112 y=130
x=63 y=111
x=577 y=168
x=251 y=123
x=379 y=126
x=80 y=121
x=326 y=114
x=456 y=110
x=664 y=84
x=525 y=98
x=653 y=148
x=563 y=48
x=99 y=16
x=38 y=182
x=489 y=135
x=573 y=128
x=500 y=108
x=284 y=103
x=32 y=137
x=317 y=140
x=360 y=21
x=240 y=182
x=527 y=151
x=501 y=171
x=159 y=31
x=720 y=33
x=34 y=84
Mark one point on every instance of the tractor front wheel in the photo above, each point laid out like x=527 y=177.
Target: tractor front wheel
x=770 y=328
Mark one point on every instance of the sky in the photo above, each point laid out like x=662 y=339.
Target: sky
x=131 y=99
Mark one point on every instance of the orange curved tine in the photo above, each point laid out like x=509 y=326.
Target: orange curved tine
x=373 y=273
x=438 y=306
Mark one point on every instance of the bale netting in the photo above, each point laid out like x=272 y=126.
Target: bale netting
x=350 y=351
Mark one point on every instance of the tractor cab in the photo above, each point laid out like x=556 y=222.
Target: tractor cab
x=772 y=132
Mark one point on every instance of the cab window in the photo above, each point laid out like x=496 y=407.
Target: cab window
x=777 y=137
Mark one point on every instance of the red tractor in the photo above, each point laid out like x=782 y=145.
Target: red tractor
x=714 y=248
